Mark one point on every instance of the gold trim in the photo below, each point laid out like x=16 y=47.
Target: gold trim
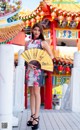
x=67 y=29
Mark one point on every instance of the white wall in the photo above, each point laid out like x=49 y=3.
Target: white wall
x=17 y=48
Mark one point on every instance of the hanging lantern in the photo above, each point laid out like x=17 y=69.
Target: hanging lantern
x=61 y=18
x=69 y=19
x=32 y=21
x=60 y=11
x=37 y=18
x=53 y=14
x=77 y=20
x=64 y=13
x=27 y=23
x=42 y=14
x=60 y=69
x=67 y=69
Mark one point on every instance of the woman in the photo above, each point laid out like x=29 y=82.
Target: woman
x=34 y=74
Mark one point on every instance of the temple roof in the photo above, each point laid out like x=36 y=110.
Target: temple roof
x=9 y=32
x=68 y=5
x=25 y=12
x=71 y=7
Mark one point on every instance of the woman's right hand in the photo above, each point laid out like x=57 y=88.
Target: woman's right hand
x=32 y=66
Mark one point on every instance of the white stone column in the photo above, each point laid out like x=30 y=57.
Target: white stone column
x=19 y=84
x=75 y=84
x=6 y=86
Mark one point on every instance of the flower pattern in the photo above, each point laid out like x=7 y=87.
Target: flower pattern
x=37 y=72
x=38 y=42
x=33 y=77
x=36 y=84
x=27 y=75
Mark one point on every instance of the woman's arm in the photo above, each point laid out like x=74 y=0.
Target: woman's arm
x=32 y=66
x=46 y=47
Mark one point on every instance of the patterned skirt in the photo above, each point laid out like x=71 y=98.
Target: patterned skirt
x=34 y=77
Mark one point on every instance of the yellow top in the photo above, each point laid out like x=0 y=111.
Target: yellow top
x=68 y=5
x=25 y=12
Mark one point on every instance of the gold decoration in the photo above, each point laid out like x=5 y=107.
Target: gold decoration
x=38 y=55
x=68 y=5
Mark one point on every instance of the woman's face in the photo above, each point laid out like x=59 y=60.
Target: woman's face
x=36 y=32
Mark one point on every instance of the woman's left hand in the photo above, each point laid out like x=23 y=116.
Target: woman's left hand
x=32 y=66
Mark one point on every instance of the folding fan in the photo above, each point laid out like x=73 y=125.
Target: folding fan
x=38 y=55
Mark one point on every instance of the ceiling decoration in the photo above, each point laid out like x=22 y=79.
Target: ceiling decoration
x=66 y=13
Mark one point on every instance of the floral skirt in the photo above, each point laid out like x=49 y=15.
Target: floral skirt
x=34 y=77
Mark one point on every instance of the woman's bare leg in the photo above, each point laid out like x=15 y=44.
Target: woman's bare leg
x=32 y=101
x=37 y=102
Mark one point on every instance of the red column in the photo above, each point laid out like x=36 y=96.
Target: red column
x=53 y=34
x=42 y=95
x=48 y=91
x=79 y=31
x=48 y=81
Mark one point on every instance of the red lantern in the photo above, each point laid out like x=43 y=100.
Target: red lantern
x=60 y=11
x=37 y=18
x=53 y=14
x=32 y=21
x=42 y=14
x=67 y=69
x=64 y=13
x=60 y=69
x=69 y=19
x=27 y=23
x=77 y=19
x=61 y=18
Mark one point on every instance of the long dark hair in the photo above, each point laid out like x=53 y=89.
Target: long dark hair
x=41 y=36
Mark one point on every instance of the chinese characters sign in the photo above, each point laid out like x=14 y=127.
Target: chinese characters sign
x=66 y=34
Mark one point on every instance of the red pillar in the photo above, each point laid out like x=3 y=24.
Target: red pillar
x=53 y=34
x=79 y=31
x=42 y=95
x=48 y=91
x=48 y=81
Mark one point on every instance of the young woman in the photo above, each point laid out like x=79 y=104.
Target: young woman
x=34 y=74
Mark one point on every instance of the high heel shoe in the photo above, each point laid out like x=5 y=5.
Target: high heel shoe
x=29 y=123
x=35 y=126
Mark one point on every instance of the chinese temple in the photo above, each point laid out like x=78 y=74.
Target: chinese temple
x=60 y=20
